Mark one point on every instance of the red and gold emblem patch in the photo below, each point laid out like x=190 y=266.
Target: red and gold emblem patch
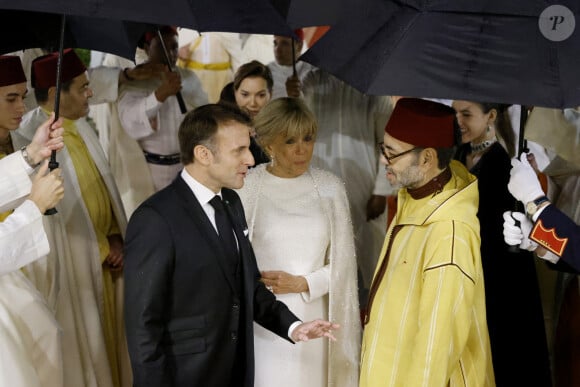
x=548 y=238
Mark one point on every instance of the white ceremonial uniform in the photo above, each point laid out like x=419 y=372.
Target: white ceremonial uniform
x=257 y=47
x=22 y=236
x=215 y=57
x=281 y=73
x=154 y=124
x=75 y=251
x=125 y=156
x=30 y=349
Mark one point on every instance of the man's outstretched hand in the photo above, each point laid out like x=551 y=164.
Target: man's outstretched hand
x=314 y=330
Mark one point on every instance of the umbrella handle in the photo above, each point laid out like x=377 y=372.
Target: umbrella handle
x=53 y=164
x=515 y=248
x=522 y=147
x=293 y=59
x=178 y=95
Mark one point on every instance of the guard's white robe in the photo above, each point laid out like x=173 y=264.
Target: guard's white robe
x=215 y=57
x=281 y=73
x=138 y=108
x=351 y=125
x=30 y=346
x=22 y=236
x=258 y=47
x=30 y=352
x=128 y=167
x=75 y=252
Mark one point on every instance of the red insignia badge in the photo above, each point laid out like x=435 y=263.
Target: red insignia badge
x=548 y=238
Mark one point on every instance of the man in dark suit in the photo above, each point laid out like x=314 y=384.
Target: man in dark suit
x=190 y=294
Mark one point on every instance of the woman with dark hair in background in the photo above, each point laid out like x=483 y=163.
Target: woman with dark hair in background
x=514 y=309
x=251 y=90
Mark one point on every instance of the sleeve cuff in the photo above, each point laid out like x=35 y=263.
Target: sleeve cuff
x=152 y=106
x=292 y=327
x=318 y=284
x=550 y=257
x=25 y=165
x=537 y=214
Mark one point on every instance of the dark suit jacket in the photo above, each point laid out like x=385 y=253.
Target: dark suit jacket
x=182 y=306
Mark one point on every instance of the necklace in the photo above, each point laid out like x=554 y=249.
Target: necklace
x=478 y=148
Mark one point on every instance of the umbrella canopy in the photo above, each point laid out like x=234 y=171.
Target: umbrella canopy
x=523 y=52
x=112 y=36
x=309 y=13
x=249 y=16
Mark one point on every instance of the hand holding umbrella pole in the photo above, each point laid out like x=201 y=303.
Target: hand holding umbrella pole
x=171 y=67
x=53 y=164
x=522 y=147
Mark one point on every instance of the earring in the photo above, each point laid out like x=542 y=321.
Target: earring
x=272 y=160
x=488 y=128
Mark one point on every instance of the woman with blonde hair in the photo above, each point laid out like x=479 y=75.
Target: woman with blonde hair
x=299 y=224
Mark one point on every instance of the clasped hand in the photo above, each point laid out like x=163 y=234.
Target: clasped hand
x=280 y=282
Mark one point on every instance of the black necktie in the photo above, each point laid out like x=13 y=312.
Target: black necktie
x=225 y=228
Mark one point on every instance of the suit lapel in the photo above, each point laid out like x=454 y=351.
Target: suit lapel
x=201 y=221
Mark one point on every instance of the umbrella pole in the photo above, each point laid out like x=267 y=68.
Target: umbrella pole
x=53 y=164
x=293 y=59
x=170 y=65
x=522 y=147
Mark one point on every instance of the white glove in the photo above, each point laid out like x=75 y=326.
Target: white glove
x=524 y=184
x=518 y=235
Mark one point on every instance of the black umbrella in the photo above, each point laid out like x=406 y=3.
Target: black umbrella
x=54 y=32
x=249 y=16
x=309 y=13
x=520 y=51
x=105 y=35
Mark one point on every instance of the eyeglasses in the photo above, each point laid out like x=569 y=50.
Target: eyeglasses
x=390 y=158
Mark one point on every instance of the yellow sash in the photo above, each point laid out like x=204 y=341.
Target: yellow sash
x=195 y=65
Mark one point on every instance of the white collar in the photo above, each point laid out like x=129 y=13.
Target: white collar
x=201 y=192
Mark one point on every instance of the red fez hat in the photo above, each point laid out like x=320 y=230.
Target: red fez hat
x=422 y=123
x=11 y=71
x=44 y=69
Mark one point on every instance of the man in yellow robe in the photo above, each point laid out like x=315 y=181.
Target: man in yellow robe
x=86 y=233
x=425 y=324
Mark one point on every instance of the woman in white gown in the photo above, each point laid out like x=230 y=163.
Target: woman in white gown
x=299 y=224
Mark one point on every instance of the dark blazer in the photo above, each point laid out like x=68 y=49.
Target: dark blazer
x=184 y=314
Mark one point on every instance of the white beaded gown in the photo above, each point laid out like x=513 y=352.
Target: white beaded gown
x=290 y=229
